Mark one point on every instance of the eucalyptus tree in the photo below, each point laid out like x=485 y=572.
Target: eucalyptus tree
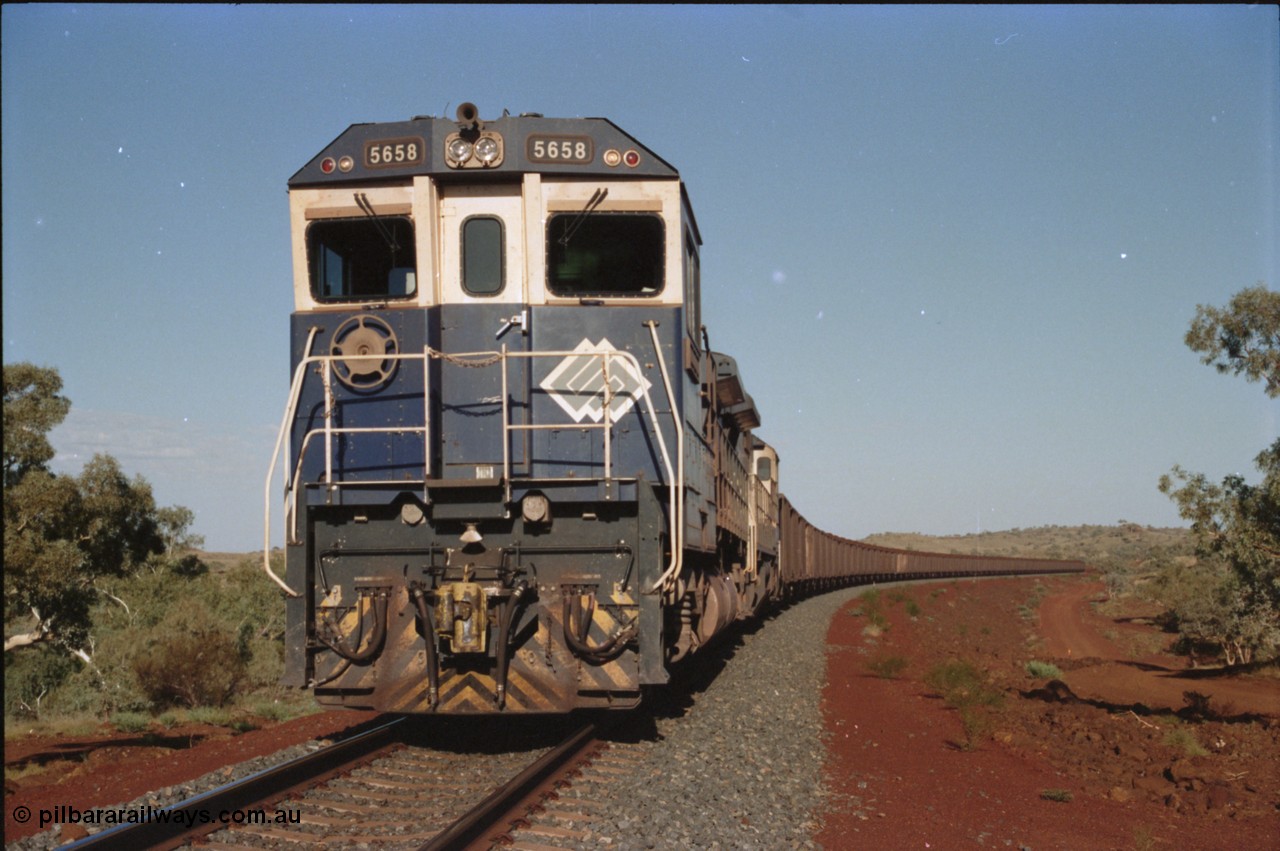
x=1236 y=524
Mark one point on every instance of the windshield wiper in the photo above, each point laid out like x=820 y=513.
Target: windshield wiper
x=572 y=227
x=362 y=201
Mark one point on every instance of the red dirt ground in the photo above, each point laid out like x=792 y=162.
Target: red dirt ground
x=897 y=754
x=114 y=768
x=908 y=775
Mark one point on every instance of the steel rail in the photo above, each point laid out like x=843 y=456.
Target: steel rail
x=470 y=827
x=185 y=820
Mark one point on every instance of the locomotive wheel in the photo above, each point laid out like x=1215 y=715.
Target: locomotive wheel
x=364 y=349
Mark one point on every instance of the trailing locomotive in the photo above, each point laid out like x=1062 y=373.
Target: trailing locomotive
x=516 y=476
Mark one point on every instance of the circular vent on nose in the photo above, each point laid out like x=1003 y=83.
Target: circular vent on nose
x=364 y=349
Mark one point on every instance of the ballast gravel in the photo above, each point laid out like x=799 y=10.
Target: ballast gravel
x=741 y=766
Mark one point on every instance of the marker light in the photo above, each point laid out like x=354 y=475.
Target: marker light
x=328 y=164
x=612 y=157
x=631 y=158
x=346 y=164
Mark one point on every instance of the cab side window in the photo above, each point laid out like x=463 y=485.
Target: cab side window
x=692 y=290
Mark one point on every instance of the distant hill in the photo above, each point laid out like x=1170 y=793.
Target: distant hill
x=1125 y=546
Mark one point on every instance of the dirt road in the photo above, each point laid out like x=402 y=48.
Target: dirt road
x=1075 y=638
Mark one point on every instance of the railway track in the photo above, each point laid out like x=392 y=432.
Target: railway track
x=173 y=826
x=558 y=813
x=383 y=789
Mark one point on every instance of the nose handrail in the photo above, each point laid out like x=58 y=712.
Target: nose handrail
x=293 y=472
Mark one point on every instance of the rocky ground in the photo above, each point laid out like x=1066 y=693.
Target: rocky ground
x=1112 y=753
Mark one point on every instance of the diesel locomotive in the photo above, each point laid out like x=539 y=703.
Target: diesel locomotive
x=516 y=477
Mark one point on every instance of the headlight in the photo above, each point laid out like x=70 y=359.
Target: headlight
x=536 y=508
x=486 y=149
x=459 y=151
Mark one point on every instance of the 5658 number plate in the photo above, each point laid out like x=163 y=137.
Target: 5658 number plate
x=394 y=153
x=575 y=150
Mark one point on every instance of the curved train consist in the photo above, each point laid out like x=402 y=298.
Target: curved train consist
x=517 y=478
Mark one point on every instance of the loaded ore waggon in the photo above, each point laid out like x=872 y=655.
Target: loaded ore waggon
x=515 y=475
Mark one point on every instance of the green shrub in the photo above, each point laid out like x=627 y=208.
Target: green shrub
x=1062 y=796
x=31 y=676
x=871 y=610
x=976 y=723
x=211 y=715
x=273 y=710
x=190 y=659
x=130 y=722
x=887 y=667
x=1043 y=670
x=1185 y=741
x=963 y=686
x=912 y=608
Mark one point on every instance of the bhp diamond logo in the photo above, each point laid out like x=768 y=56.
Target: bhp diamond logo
x=577 y=383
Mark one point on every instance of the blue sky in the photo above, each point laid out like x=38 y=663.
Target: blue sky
x=954 y=249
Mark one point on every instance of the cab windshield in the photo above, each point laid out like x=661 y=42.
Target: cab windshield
x=604 y=254
x=351 y=259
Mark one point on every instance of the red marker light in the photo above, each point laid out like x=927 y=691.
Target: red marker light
x=328 y=164
x=631 y=158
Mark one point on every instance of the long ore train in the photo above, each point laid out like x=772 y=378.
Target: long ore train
x=516 y=476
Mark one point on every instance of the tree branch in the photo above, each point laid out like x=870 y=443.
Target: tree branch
x=42 y=632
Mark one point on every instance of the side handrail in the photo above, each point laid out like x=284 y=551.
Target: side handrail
x=676 y=484
x=295 y=391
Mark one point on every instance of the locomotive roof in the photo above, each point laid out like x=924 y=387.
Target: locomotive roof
x=525 y=139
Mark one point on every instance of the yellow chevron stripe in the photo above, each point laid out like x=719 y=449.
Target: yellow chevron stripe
x=469 y=692
x=620 y=674
x=535 y=691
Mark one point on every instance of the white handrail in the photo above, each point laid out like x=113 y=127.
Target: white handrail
x=677 y=483
x=295 y=390
x=675 y=477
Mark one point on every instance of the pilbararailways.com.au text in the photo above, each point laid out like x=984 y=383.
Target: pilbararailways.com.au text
x=114 y=816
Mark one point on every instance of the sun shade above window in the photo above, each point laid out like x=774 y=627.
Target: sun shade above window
x=604 y=254
x=369 y=258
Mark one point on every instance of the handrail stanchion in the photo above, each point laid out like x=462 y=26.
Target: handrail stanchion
x=328 y=422
x=426 y=419
x=608 y=402
x=506 y=432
